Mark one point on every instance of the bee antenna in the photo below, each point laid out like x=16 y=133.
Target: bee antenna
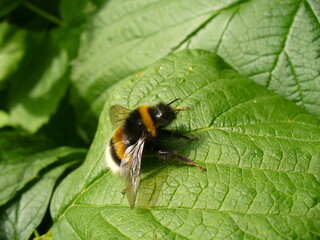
x=173 y=101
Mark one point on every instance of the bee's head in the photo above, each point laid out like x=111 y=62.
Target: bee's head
x=163 y=114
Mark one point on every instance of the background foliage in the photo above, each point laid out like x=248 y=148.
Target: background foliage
x=253 y=92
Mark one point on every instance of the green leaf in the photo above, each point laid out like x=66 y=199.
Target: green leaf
x=46 y=236
x=20 y=217
x=276 y=43
x=22 y=158
x=260 y=150
x=4 y=119
x=7 y=6
x=12 y=48
x=76 y=11
x=44 y=71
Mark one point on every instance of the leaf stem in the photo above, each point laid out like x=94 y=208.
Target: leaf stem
x=43 y=14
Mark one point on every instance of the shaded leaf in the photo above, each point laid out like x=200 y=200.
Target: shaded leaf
x=12 y=48
x=7 y=6
x=44 y=73
x=260 y=150
x=20 y=217
x=21 y=160
x=77 y=11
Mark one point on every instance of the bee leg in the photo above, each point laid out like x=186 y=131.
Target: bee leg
x=174 y=155
x=124 y=191
x=178 y=135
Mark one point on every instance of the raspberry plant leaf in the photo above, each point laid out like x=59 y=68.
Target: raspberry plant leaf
x=23 y=158
x=23 y=214
x=275 y=43
x=261 y=152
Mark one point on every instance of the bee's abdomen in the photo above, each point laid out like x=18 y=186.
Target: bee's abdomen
x=114 y=154
x=117 y=146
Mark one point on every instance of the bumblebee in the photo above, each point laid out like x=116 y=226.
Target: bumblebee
x=142 y=128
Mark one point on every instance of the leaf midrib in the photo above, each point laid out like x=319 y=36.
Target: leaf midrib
x=283 y=44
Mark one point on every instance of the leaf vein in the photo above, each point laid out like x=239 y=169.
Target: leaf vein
x=283 y=45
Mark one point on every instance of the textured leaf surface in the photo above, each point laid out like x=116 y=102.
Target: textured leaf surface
x=261 y=152
x=276 y=43
x=22 y=159
x=20 y=217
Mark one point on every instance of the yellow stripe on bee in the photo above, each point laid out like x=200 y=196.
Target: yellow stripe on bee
x=147 y=120
x=118 y=142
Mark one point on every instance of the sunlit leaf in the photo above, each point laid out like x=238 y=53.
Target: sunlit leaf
x=276 y=43
x=260 y=150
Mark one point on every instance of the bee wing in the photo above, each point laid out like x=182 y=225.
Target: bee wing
x=118 y=115
x=130 y=169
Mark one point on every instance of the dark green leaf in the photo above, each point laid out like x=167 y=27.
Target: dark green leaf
x=76 y=11
x=260 y=150
x=44 y=73
x=7 y=6
x=21 y=160
x=12 y=48
x=20 y=217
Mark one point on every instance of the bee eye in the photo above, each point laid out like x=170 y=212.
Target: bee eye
x=139 y=123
